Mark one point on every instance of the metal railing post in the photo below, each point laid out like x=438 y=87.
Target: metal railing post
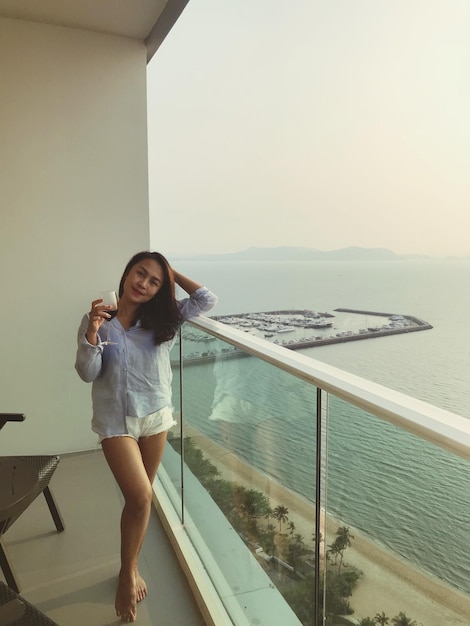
x=181 y=425
x=318 y=450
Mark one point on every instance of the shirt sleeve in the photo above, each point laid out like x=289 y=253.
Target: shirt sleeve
x=88 y=361
x=199 y=301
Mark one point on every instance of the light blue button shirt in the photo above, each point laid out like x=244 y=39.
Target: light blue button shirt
x=133 y=376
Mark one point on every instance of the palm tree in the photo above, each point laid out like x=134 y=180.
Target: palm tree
x=344 y=537
x=402 y=620
x=334 y=550
x=381 y=619
x=281 y=514
x=291 y=526
x=342 y=541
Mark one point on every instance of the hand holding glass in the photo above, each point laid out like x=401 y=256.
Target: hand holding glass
x=109 y=299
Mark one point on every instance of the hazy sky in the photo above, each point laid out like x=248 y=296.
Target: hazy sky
x=312 y=123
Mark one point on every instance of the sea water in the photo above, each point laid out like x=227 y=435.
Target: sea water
x=402 y=492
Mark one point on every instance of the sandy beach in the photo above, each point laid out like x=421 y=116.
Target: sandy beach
x=388 y=584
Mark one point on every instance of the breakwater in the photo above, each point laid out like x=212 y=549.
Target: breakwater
x=415 y=320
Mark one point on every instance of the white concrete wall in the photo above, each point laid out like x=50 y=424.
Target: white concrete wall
x=73 y=210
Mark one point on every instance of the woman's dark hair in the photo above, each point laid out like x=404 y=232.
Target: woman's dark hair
x=160 y=314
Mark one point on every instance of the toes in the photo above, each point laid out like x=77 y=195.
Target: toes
x=140 y=587
x=126 y=618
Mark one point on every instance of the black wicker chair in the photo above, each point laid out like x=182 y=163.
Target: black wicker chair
x=17 y=611
x=27 y=477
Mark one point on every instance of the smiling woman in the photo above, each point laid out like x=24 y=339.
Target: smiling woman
x=131 y=393
x=147 y=283
x=146 y=275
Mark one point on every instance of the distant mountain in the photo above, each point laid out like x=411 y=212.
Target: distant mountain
x=291 y=253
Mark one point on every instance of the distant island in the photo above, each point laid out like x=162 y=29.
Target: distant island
x=292 y=253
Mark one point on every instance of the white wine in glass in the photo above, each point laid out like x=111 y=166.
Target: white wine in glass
x=109 y=299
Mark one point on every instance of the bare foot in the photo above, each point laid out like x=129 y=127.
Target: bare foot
x=140 y=587
x=126 y=598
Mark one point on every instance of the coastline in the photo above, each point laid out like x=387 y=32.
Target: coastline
x=389 y=583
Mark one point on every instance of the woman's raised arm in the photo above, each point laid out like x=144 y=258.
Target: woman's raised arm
x=189 y=285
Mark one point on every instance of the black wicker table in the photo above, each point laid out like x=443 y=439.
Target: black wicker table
x=17 y=611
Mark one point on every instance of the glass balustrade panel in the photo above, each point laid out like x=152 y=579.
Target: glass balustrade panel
x=249 y=479
x=396 y=532
x=170 y=469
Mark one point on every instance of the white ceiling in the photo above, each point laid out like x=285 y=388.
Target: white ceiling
x=129 y=18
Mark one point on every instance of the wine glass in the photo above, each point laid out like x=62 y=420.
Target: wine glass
x=109 y=299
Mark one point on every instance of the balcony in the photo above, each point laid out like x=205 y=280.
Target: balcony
x=292 y=493
x=71 y=576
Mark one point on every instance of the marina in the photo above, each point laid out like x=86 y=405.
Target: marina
x=298 y=329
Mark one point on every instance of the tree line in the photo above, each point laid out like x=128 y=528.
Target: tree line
x=250 y=513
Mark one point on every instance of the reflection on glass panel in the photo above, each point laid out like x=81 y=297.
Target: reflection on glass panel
x=171 y=463
x=249 y=448
x=397 y=525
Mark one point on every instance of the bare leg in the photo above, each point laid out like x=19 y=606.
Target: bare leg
x=125 y=460
x=151 y=449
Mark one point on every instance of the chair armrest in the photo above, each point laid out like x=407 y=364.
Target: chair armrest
x=10 y=417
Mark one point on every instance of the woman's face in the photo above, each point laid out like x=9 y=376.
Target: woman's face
x=143 y=281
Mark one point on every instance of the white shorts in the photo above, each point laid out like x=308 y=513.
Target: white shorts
x=152 y=424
